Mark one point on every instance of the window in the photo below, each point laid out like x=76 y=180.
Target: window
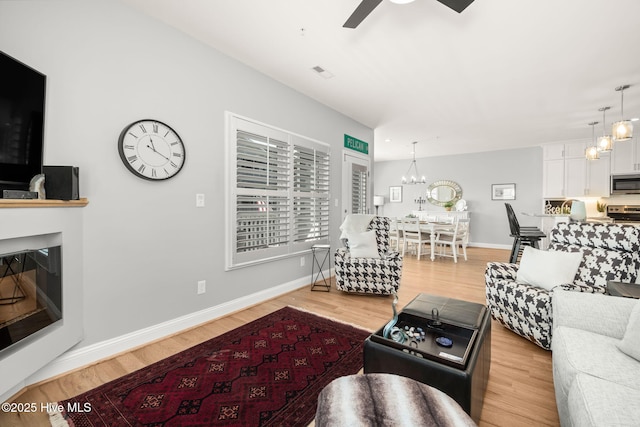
x=278 y=201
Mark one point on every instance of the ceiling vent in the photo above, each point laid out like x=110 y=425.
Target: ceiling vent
x=322 y=72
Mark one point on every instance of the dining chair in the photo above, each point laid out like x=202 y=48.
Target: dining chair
x=411 y=234
x=453 y=238
x=522 y=236
x=462 y=238
x=395 y=233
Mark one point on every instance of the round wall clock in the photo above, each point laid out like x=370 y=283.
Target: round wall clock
x=151 y=150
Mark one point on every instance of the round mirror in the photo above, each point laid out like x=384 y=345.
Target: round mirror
x=444 y=192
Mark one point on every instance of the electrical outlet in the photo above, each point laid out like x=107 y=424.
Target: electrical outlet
x=302 y=261
x=202 y=286
x=199 y=200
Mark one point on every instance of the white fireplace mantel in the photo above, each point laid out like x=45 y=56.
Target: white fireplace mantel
x=32 y=224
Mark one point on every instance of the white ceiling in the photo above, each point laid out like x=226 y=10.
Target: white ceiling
x=502 y=74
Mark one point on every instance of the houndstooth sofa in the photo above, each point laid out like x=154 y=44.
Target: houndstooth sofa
x=610 y=252
x=379 y=276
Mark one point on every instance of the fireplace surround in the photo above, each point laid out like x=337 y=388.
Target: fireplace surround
x=29 y=225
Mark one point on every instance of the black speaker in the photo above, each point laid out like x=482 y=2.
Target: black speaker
x=61 y=182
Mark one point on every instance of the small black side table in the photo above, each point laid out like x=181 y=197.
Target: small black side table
x=619 y=289
x=325 y=283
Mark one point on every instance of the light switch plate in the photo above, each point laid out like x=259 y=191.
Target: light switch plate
x=199 y=200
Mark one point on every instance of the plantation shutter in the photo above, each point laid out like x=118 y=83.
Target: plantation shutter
x=262 y=202
x=311 y=194
x=280 y=193
x=359 y=189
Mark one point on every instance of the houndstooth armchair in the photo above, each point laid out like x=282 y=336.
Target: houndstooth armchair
x=380 y=276
x=610 y=252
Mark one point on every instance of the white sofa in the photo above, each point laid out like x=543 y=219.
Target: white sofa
x=596 y=384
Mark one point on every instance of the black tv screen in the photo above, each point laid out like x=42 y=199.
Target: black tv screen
x=22 y=95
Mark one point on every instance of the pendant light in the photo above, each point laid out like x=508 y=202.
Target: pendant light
x=622 y=130
x=592 y=153
x=605 y=142
x=413 y=165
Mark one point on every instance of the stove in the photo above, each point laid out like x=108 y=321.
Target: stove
x=624 y=213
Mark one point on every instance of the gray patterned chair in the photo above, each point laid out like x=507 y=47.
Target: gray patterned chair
x=380 y=276
x=610 y=252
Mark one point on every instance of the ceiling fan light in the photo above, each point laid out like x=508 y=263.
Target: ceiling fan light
x=622 y=130
x=401 y=1
x=605 y=143
x=592 y=153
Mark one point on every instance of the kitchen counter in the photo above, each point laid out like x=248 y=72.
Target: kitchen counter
x=546 y=215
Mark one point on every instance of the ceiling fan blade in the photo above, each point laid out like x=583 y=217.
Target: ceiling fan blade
x=362 y=11
x=457 y=5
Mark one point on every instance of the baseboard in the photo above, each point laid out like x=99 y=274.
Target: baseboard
x=489 y=245
x=74 y=359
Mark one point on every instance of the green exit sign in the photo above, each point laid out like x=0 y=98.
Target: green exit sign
x=355 y=144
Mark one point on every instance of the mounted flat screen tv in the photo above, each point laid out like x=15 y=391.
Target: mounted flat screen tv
x=22 y=95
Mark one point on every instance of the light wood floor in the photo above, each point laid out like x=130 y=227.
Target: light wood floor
x=520 y=389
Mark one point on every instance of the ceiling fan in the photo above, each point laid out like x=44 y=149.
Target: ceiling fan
x=366 y=7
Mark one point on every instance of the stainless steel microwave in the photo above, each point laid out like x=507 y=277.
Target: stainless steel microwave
x=625 y=184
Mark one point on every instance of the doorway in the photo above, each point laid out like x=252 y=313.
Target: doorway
x=356 y=176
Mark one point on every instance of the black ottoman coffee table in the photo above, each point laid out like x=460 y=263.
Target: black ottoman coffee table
x=460 y=370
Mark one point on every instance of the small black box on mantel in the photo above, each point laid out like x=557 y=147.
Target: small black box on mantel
x=61 y=182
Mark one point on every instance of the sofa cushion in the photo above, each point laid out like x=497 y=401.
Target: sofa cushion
x=577 y=351
x=594 y=401
x=598 y=313
x=363 y=245
x=547 y=269
x=630 y=344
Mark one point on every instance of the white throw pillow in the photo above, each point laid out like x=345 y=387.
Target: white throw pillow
x=363 y=245
x=547 y=269
x=630 y=344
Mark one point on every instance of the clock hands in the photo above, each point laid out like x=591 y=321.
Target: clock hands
x=153 y=148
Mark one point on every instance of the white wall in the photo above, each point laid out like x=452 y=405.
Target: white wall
x=475 y=173
x=145 y=243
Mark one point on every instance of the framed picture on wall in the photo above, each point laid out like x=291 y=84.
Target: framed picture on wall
x=503 y=191
x=395 y=194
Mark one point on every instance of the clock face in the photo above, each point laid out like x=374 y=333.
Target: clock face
x=151 y=150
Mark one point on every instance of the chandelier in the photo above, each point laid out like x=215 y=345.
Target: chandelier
x=413 y=166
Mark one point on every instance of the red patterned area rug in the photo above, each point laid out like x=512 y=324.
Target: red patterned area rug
x=266 y=373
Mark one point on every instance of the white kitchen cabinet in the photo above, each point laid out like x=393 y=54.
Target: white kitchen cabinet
x=575 y=150
x=626 y=157
x=575 y=181
x=553 y=152
x=567 y=172
x=598 y=173
x=553 y=178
